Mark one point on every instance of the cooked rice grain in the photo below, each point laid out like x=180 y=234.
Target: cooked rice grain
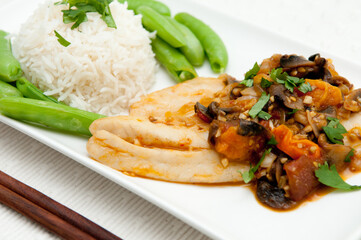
x=103 y=70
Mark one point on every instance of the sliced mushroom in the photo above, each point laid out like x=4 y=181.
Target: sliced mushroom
x=229 y=79
x=353 y=101
x=337 y=80
x=249 y=128
x=236 y=92
x=213 y=131
x=327 y=76
x=286 y=97
x=272 y=196
x=202 y=113
x=319 y=61
x=330 y=111
x=335 y=153
x=293 y=61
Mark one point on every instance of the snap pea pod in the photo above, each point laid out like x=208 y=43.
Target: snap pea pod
x=174 y=61
x=153 y=21
x=55 y=116
x=10 y=69
x=7 y=90
x=192 y=49
x=213 y=45
x=156 y=5
x=30 y=91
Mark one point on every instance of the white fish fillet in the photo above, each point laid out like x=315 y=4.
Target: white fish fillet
x=173 y=147
x=198 y=166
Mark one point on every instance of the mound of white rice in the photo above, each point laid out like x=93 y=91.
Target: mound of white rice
x=103 y=70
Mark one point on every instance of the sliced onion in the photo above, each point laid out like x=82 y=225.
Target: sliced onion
x=250 y=91
x=268 y=160
x=312 y=124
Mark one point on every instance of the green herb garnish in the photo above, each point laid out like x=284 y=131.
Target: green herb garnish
x=272 y=141
x=349 y=155
x=252 y=72
x=247 y=82
x=305 y=87
x=257 y=108
x=277 y=73
x=334 y=130
x=290 y=82
x=78 y=9
x=293 y=111
x=264 y=115
x=249 y=175
x=265 y=83
x=331 y=178
x=61 y=40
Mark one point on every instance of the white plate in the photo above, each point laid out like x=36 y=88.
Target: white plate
x=222 y=212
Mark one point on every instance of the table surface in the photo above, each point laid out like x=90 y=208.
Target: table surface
x=327 y=25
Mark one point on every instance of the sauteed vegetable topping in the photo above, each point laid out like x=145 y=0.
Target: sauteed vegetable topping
x=284 y=119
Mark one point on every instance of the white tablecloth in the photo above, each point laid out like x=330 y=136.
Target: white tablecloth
x=329 y=25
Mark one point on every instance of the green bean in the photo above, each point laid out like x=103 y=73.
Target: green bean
x=10 y=69
x=193 y=49
x=7 y=90
x=156 y=5
x=55 y=116
x=174 y=61
x=153 y=21
x=30 y=91
x=213 y=45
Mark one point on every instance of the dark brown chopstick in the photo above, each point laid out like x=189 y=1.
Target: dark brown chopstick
x=49 y=213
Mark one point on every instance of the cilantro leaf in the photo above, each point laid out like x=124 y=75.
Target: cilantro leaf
x=277 y=73
x=78 y=9
x=252 y=72
x=249 y=175
x=265 y=83
x=247 y=82
x=289 y=82
x=61 y=40
x=264 y=115
x=293 y=111
x=349 y=155
x=272 y=141
x=305 y=87
x=257 y=108
x=290 y=85
x=334 y=130
x=331 y=178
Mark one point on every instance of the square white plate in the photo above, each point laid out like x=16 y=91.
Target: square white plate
x=222 y=212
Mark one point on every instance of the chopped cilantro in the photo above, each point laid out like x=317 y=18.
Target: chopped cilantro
x=78 y=8
x=277 y=73
x=257 y=108
x=272 y=141
x=61 y=40
x=330 y=177
x=305 y=87
x=264 y=115
x=247 y=82
x=334 y=130
x=290 y=82
x=249 y=175
x=252 y=72
x=349 y=155
x=265 y=83
x=293 y=111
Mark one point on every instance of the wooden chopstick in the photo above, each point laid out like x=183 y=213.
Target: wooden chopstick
x=49 y=213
